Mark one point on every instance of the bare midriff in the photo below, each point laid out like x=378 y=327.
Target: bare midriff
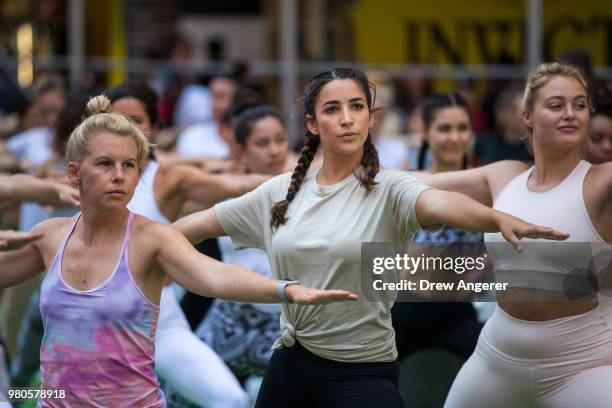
x=540 y=305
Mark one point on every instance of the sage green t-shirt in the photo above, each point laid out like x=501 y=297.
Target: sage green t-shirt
x=320 y=245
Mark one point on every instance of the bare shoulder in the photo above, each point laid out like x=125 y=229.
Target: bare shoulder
x=53 y=230
x=598 y=182
x=52 y=225
x=170 y=174
x=506 y=168
x=150 y=235
x=500 y=173
x=601 y=172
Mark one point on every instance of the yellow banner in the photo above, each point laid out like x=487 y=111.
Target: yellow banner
x=476 y=31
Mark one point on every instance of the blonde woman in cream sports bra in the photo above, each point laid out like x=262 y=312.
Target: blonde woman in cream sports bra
x=543 y=354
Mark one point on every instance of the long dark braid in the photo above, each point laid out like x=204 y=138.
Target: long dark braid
x=369 y=162
x=370 y=165
x=307 y=154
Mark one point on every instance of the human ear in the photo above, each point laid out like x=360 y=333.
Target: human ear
x=73 y=171
x=527 y=119
x=311 y=124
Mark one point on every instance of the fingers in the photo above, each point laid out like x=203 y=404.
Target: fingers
x=13 y=240
x=340 y=295
x=315 y=296
x=547 y=233
x=513 y=239
x=71 y=198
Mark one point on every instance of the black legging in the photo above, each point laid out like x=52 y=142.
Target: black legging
x=195 y=306
x=297 y=378
x=449 y=325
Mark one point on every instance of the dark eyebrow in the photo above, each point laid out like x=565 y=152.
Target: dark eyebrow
x=331 y=103
x=334 y=102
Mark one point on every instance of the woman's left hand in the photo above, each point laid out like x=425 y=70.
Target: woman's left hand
x=513 y=229
x=304 y=295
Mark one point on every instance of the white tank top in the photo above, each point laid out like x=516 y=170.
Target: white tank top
x=143 y=202
x=545 y=265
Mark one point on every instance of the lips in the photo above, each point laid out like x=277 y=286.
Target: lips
x=348 y=134
x=116 y=193
x=568 y=128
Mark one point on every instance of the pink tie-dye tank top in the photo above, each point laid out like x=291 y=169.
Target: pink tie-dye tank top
x=98 y=344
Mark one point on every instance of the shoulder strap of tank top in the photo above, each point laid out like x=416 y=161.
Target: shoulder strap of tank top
x=128 y=231
x=60 y=249
x=580 y=172
x=519 y=181
x=73 y=224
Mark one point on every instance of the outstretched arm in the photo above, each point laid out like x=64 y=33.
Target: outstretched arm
x=21 y=187
x=206 y=276
x=20 y=265
x=10 y=240
x=210 y=189
x=438 y=207
x=482 y=183
x=199 y=226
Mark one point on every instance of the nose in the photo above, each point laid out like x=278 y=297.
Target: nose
x=275 y=149
x=347 y=117
x=118 y=174
x=568 y=112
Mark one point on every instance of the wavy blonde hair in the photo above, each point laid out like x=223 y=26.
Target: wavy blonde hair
x=539 y=77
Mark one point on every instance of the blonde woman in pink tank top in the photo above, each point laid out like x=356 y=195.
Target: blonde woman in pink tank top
x=106 y=268
x=553 y=354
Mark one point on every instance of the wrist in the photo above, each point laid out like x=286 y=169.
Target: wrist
x=286 y=296
x=498 y=219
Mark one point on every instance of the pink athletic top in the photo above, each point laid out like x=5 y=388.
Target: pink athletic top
x=98 y=344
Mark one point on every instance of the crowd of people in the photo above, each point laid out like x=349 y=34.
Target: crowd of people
x=110 y=301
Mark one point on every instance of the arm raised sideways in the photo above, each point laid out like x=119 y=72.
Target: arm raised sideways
x=206 y=276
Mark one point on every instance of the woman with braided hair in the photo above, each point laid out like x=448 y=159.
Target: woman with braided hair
x=312 y=224
x=106 y=266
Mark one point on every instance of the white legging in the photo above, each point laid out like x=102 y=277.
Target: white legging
x=192 y=368
x=560 y=363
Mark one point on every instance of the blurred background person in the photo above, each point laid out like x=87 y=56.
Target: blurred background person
x=599 y=141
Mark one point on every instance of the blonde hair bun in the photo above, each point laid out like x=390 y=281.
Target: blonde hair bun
x=99 y=104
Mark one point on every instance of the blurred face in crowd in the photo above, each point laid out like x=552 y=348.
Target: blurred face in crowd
x=449 y=137
x=600 y=139
x=45 y=110
x=342 y=118
x=267 y=146
x=560 y=116
x=222 y=92
x=508 y=119
x=134 y=109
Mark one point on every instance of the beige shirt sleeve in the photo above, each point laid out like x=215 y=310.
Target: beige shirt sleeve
x=246 y=218
x=242 y=219
x=404 y=192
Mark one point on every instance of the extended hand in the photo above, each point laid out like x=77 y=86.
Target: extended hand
x=10 y=240
x=513 y=229
x=68 y=195
x=303 y=295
